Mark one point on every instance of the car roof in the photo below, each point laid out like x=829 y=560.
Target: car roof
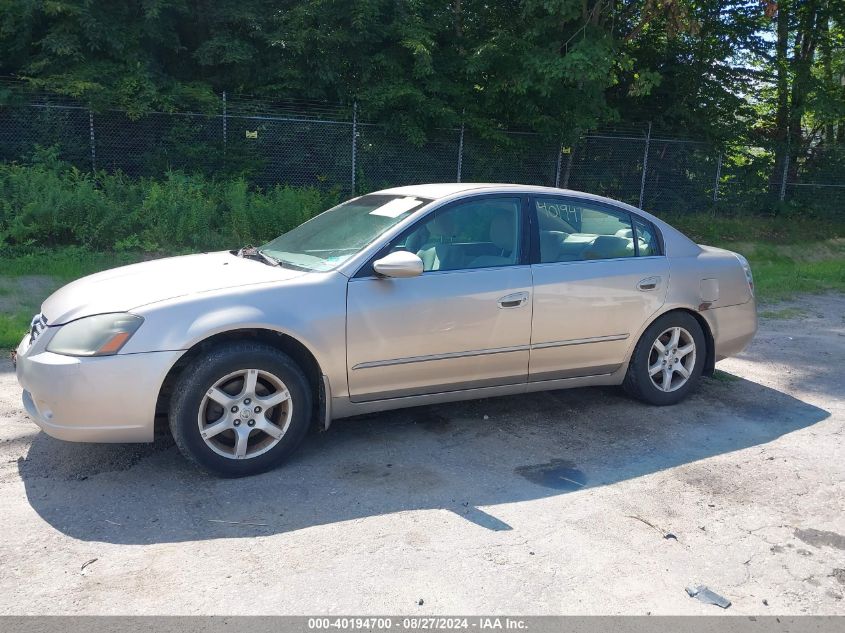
x=438 y=191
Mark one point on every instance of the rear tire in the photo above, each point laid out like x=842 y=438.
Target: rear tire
x=240 y=409
x=668 y=360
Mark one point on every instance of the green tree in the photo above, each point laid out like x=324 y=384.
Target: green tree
x=808 y=97
x=714 y=69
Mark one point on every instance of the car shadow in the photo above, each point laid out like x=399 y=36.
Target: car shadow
x=465 y=458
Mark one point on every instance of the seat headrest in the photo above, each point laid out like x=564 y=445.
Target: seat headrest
x=502 y=232
x=443 y=225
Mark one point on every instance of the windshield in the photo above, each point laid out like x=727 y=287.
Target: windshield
x=331 y=238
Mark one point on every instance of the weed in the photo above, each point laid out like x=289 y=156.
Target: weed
x=783 y=313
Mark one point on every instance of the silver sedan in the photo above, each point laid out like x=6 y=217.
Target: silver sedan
x=403 y=297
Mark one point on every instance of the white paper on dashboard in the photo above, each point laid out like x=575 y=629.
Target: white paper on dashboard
x=396 y=207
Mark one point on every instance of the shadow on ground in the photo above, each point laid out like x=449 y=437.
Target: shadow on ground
x=448 y=457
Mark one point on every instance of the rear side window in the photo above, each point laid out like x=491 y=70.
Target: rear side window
x=579 y=231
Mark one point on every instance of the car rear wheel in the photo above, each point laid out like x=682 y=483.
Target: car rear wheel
x=240 y=409
x=667 y=361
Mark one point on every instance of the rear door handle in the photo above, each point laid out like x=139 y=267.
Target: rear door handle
x=649 y=283
x=515 y=300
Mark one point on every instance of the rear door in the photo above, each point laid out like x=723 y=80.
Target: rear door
x=601 y=276
x=464 y=323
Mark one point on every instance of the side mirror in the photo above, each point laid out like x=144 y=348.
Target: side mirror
x=399 y=264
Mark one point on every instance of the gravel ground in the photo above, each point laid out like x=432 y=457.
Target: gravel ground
x=579 y=502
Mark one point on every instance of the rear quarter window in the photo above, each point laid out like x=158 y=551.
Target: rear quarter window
x=647 y=238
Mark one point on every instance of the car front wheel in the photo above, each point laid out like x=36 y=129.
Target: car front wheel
x=667 y=361
x=240 y=409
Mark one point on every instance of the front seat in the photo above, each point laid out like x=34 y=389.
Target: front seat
x=503 y=236
x=551 y=245
x=436 y=253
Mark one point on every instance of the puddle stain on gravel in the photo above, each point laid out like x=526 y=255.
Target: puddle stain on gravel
x=820 y=538
x=432 y=421
x=558 y=474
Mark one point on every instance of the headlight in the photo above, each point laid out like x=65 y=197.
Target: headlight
x=100 y=335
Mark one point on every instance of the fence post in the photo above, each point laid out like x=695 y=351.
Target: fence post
x=718 y=177
x=91 y=140
x=225 y=130
x=569 y=163
x=557 y=170
x=461 y=150
x=645 y=164
x=785 y=173
x=354 y=141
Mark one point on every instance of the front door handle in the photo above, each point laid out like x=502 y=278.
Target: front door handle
x=649 y=283
x=515 y=300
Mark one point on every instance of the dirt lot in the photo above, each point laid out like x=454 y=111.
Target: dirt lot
x=553 y=503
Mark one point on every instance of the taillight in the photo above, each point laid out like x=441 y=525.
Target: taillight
x=747 y=268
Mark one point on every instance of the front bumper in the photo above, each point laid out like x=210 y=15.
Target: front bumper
x=103 y=399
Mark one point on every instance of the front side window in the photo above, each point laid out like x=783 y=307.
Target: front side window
x=328 y=240
x=481 y=233
x=577 y=231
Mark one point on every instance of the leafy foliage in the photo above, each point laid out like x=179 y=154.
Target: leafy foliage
x=52 y=204
x=730 y=72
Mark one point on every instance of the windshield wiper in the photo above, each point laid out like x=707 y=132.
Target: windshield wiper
x=251 y=252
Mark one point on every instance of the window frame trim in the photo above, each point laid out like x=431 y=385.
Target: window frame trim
x=598 y=205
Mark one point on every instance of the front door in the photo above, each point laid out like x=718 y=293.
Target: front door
x=464 y=323
x=600 y=278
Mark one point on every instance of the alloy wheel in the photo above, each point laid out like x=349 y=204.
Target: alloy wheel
x=245 y=414
x=671 y=359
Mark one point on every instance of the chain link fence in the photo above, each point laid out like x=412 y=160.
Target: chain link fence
x=330 y=146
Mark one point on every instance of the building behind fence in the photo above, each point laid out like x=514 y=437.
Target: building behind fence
x=334 y=147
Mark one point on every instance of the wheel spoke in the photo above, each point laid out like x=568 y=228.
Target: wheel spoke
x=274 y=398
x=676 y=337
x=661 y=349
x=250 y=380
x=667 y=379
x=218 y=427
x=221 y=397
x=269 y=428
x=682 y=370
x=686 y=349
x=655 y=369
x=242 y=436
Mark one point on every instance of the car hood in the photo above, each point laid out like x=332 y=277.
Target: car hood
x=128 y=287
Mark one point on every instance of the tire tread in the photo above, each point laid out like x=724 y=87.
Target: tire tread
x=182 y=416
x=637 y=382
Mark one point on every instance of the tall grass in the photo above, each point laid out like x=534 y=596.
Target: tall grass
x=785 y=228
x=51 y=203
x=789 y=254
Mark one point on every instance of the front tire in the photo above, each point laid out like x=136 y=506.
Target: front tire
x=668 y=360
x=240 y=409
